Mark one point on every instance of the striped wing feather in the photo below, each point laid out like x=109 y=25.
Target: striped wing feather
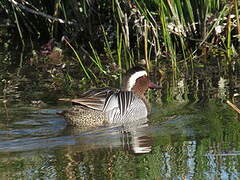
x=94 y=98
x=121 y=100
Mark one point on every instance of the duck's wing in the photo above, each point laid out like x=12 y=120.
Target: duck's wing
x=94 y=98
x=121 y=100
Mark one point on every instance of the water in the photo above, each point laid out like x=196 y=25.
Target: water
x=191 y=134
x=180 y=141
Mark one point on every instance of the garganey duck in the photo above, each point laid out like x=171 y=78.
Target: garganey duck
x=102 y=106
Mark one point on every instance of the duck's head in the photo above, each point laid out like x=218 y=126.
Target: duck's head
x=138 y=81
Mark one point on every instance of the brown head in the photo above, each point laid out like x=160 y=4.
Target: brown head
x=138 y=81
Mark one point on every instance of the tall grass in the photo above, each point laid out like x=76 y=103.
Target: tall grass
x=159 y=31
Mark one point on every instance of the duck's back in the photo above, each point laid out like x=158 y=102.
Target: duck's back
x=124 y=107
x=119 y=108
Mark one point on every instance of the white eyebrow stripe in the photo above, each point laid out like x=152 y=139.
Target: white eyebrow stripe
x=132 y=80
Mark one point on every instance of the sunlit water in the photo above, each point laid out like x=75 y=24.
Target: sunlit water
x=181 y=141
x=191 y=134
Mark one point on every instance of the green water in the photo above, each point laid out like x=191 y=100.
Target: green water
x=180 y=141
x=191 y=134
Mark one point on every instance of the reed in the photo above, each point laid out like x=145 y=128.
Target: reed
x=78 y=59
x=96 y=59
x=158 y=31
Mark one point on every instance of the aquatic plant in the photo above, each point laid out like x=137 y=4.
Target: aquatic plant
x=125 y=32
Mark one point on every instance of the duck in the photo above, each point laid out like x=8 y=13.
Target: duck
x=107 y=106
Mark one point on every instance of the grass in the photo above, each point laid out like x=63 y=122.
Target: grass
x=159 y=31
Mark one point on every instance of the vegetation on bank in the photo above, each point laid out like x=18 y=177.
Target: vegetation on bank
x=127 y=31
x=92 y=40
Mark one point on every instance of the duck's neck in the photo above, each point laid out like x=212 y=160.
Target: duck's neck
x=140 y=92
x=148 y=105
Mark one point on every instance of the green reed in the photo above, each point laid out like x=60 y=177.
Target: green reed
x=79 y=59
x=159 y=31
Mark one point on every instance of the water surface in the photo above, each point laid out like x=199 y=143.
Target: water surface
x=191 y=134
x=180 y=141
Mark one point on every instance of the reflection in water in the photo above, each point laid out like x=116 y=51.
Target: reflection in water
x=43 y=130
x=194 y=135
x=190 y=145
x=141 y=144
x=109 y=144
x=130 y=137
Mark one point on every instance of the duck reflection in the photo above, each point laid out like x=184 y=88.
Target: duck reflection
x=132 y=137
x=135 y=137
x=114 y=144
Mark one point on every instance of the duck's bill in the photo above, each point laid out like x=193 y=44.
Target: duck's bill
x=154 y=86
